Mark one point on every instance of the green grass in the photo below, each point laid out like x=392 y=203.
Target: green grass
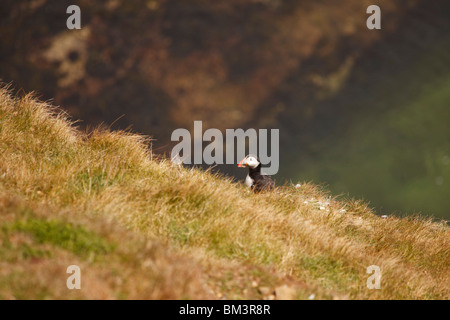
x=67 y=236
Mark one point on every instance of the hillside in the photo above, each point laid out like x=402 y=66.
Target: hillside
x=366 y=111
x=141 y=227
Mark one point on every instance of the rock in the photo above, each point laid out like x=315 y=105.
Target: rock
x=264 y=290
x=285 y=293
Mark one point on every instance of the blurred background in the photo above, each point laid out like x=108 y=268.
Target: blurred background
x=364 y=112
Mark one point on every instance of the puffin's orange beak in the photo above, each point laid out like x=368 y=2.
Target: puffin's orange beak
x=242 y=164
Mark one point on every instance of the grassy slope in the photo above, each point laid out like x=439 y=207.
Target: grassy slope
x=142 y=228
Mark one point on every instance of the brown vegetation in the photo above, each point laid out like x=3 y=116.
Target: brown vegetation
x=140 y=227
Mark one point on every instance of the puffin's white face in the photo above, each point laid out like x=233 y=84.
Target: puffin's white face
x=249 y=161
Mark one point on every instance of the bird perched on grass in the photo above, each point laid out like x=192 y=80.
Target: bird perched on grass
x=255 y=180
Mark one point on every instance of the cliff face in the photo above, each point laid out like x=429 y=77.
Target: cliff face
x=167 y=63
x=312 y=69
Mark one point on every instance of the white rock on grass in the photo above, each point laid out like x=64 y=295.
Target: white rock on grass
x=285 y=293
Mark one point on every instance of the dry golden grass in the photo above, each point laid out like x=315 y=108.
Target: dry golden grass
x=153 y=230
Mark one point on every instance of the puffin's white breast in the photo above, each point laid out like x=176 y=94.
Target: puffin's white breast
x=248 y=181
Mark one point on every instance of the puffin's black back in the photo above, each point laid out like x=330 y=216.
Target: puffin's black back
x=260 y=182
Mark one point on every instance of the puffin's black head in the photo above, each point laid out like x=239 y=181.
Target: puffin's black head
x=250 y=161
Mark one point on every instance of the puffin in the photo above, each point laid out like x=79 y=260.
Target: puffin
x=255 y=180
